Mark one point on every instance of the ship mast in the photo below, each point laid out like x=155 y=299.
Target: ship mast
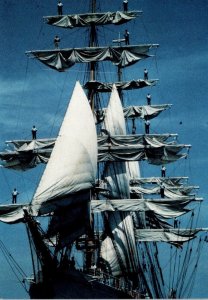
x=91 y=95
x=119 y=79
x=92 y=43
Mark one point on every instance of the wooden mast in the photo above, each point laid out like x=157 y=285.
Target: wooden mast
x=92 y=43
x=91 y=96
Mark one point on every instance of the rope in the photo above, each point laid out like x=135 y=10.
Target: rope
x=13 y=265
x=190 y=281
x=170 y=271
x=184 y=269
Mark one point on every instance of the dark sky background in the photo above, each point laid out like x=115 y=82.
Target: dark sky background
x=32 y=94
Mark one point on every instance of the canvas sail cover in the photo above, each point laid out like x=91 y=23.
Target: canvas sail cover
x=62 y=59
x=118 y=249
x=84 y=20
x=73 y=162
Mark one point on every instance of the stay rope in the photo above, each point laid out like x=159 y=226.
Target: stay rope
x=15 y=267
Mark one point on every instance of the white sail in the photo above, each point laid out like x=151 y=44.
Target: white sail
x=73 y=162
x=120 y=223
x=133 y=169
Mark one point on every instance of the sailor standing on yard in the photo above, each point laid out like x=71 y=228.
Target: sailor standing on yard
x=34 y=132
x=163 y=171
x=145 y=74
x=56 y=41
x=126 y=36
x=147 y=126
x=60 y=7
x=148 y=97
x=14 y=196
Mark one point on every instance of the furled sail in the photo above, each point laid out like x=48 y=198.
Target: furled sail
x=118 y=249
x=166 y=235
x=141 y=140
x=153 y=148
x=103 y=87
x=169 y=192
x=27 y=153
x=61 y=59
x=156 y=156
x=84 y=20
x=144 y=112
x=171 y=181
x=12 y=213
x=165 y=208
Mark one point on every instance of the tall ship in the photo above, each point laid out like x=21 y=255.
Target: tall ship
x=106 y=213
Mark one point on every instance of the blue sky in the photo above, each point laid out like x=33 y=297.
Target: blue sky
x=32 y=94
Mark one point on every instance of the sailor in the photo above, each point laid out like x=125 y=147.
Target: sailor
x=175 y=223
x=148 y=97
x=162 y=191
x=163 y=171
x=145 y=74
x=125 y=5
x=60 y=8
x=147 y=126
x=56 y=41
x=126 y=36
x=14 y=195
x=34 y=132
